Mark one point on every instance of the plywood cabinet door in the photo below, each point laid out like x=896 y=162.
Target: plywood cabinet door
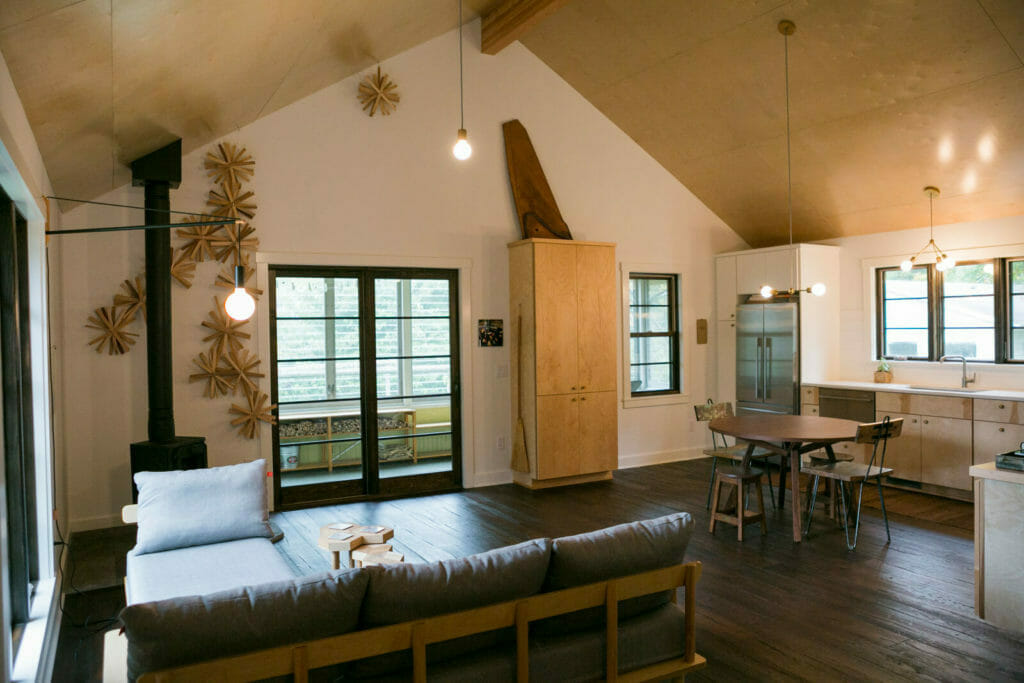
x=556 y=318
x=725 y=358
x=725 y=287
x=903 y=454
x=595 y=286
x=599 y=429
x=558 y=441
x=993 y=438
x=946 y=444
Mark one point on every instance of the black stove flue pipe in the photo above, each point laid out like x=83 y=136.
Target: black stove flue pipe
x=158 y=172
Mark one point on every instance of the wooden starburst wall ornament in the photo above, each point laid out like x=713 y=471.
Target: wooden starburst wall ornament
x=134 y=297
x=199 y=239
x=226 y=334
x=238 y=238
x=183 y=268
x=229 y=165
x=231 y=202
x=113 y=335
x=219 y=378
x=226 y=279
x=378 y=93
x=250 y=415
x=242 y=366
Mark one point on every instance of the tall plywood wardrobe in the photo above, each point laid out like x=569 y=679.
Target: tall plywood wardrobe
x=562 y=293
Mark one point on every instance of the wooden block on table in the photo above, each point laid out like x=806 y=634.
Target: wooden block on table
x=364 y=551
x=386 y=557
x=372 y=533
x=335 y=538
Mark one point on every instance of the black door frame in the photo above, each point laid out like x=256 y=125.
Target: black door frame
x=370 y=486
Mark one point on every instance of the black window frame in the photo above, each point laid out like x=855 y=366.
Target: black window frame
x=18 y=453
x=675 y=370
x=1002 y=303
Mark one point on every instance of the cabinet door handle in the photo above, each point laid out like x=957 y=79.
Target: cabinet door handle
x=572 y=388
x=926 y=421
x=1001 y=406
x=582 y=387
x=1002 y=429
x=914 y=421
x=572 y=400
x=583 y=398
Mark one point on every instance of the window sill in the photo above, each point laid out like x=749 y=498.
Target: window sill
x=651 y=401
x=39 y=639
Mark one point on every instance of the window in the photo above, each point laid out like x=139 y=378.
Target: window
x=653 y=334
x=1016 y=279
x=904 y=312
x=968 y=311
x=974 y=309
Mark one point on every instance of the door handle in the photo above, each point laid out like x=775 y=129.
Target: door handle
x=768 y=368
x=757 y=370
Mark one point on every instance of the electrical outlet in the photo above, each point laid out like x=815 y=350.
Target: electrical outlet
x=502 y=370
x=501 y=443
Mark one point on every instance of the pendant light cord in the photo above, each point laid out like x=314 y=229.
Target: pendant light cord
x=789 y=150
x=462 y=114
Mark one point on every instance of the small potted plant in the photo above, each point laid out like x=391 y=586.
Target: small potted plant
x=883 y=375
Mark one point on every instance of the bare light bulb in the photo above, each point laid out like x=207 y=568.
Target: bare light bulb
x=818 y=289
x=906 y=265
x=462 y=149
x=767 y=291
x=949 y=261
x=941 y=265
x=240 y=305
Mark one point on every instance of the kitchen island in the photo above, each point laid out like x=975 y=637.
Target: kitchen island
x=998 y=551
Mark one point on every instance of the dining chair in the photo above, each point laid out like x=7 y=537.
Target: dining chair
x=705 y=413
x=850 y=473
x=741 y=478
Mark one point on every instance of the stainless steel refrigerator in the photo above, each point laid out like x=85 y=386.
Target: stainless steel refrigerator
x=767 y=358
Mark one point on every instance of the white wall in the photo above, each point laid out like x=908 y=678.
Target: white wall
x=998 y=237
x=332 y=181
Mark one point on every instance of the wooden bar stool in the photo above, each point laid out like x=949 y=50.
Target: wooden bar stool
x=741 y=479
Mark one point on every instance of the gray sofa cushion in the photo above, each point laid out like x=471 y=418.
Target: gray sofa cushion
x=192 y=629
x=404 y=592
x=609 y=553
x=196 y=507
x=203 y=569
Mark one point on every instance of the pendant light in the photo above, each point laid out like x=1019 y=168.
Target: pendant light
x=788 y=28
x=462 y=149
x=239 y=305
x=942 y=261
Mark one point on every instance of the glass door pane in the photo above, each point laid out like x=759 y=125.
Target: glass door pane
x=414 y=364
x=316 y=332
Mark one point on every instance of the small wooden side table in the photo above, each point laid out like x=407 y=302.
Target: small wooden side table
x=344 y=537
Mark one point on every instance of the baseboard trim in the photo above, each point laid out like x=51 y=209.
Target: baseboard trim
x=97 y=522
x=492 y=478
x=660 y=457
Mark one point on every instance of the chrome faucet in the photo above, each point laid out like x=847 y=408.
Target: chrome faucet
x=964 y=380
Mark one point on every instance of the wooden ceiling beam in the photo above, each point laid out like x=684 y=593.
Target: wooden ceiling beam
x=511 y=20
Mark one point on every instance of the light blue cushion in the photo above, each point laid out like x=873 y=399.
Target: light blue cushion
x=203 y=569
x=196 y=507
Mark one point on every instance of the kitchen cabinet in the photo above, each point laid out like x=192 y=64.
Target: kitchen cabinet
x=563 y=303
x=759 y=267
x=903 y=453
x=725 y=288
x=998 y=427
x=946 y=452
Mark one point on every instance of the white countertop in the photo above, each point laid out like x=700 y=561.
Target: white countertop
x=996 y=394
x=990 y=471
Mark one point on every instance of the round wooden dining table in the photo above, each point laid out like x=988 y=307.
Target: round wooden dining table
x=787 y=435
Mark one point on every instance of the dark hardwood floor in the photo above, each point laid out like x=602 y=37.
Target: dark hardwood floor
x=768 y=609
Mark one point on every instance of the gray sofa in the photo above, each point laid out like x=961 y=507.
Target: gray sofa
x=222 y=599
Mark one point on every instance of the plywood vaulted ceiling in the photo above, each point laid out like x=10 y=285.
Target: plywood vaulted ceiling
x=886 y=95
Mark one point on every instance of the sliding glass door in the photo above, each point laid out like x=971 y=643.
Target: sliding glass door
x=365 y=376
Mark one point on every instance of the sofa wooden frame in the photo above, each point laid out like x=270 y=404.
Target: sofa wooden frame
x=299 y=658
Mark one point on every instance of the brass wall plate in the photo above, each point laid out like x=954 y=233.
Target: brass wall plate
x=702 y=331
